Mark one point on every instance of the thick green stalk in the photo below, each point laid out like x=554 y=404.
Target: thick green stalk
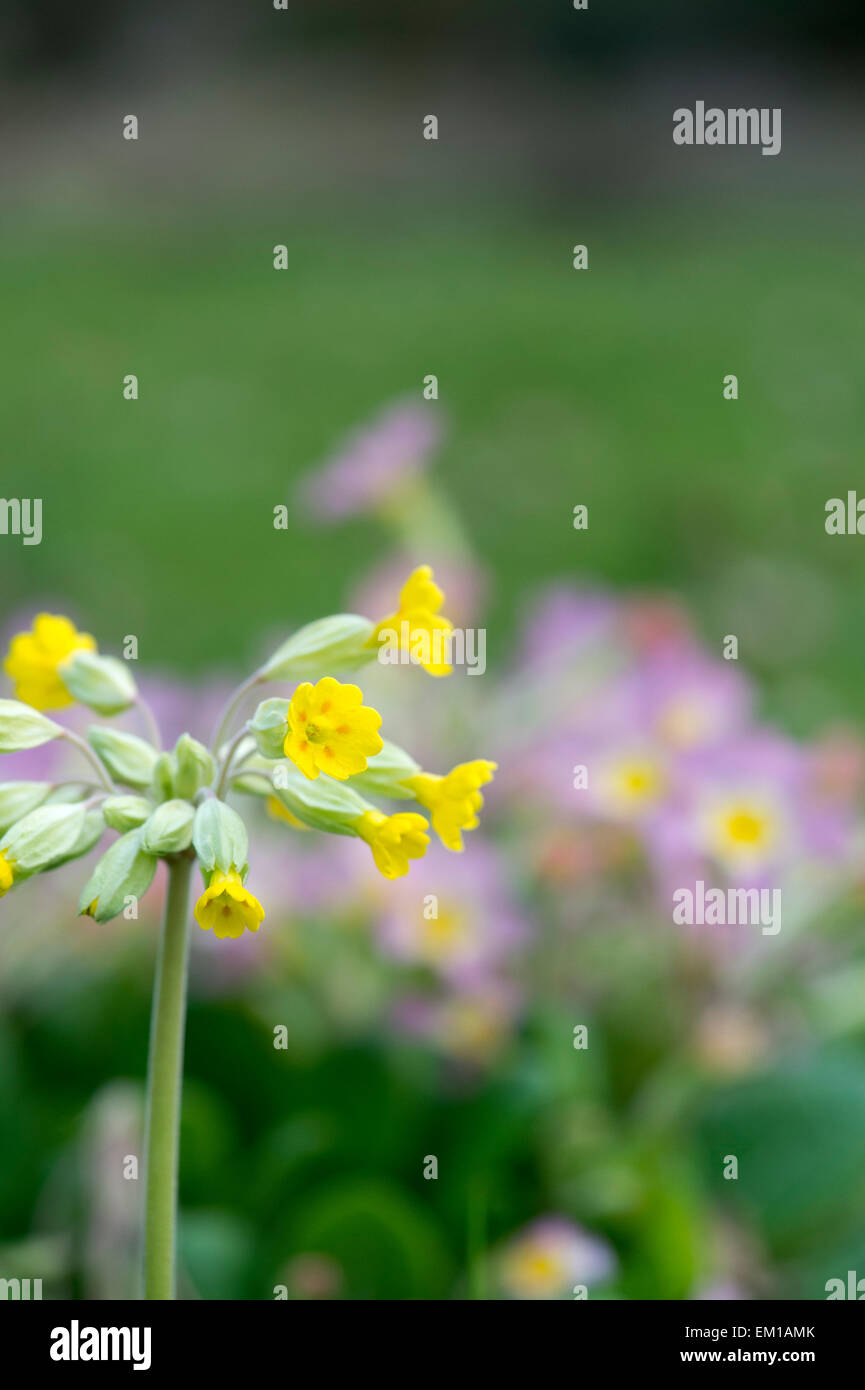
x=164 y=1084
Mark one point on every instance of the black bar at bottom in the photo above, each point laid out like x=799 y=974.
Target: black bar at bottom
x=84 y=1339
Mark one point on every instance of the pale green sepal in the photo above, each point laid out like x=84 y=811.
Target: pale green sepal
x=66 y=794
x=125 y=813
x=253 y=783
x=386 y=773
x=169 y=829
x=338 y=643
x=23 y=727
x=43 y=836
x=194 y=766
x=18 y=799
x=269 y=724
x=102 y=683
x=91 y=833
x=220 y=838
x=125 y=871
x=322 y=804
x=162 y=781
x=129 y=759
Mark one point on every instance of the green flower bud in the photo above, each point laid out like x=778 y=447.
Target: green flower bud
x=323 y=804
x=128 y=758
x=126 y=812
x=91 y=833
x=102 y=683
x=269 y=724
x=162 y=781
x=22 y=727
x=169 y=829
x=42 y=837
x=124 y=871
x=339 y=643
x=220 y=838
x=18 y=799
x=194 y=766
x=255 y=777
x=66 y=794
x=386 y=772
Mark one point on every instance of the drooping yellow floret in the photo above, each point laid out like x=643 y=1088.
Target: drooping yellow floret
x=227 y=908
x=453 y=801
x=34 y=658
x=394 y=840
x=417 y=626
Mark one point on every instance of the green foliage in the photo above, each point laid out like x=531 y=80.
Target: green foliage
x=799 y=1136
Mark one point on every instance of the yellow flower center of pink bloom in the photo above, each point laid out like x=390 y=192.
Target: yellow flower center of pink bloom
x=745 y=828
x=742 y=830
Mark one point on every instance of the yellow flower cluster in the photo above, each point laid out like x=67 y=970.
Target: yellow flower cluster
x=328 y=729
x=325 y=729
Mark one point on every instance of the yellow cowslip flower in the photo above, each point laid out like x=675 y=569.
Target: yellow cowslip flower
x=34 y=659
x=331 y=730
x=227 y=907
x=453 y=801
x=394 y=840
x=7 y=874
x=417 y=626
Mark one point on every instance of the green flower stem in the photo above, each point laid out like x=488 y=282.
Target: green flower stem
x=229 y=759
x=164 y=1084
x=149 y=721
x=228 y=714
x=91 y=757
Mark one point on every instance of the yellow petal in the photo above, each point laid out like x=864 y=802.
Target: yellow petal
x=421 y=591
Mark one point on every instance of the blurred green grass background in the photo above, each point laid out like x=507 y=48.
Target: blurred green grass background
x=602 y=387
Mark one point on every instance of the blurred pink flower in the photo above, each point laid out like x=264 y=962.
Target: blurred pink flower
x=752 y=811
x=548 y=1258
x=562 y=625
x=183 y=707
x=722 y=1290
x=373 y=461
x=837 y=766
x=470 y=1026
x=656 y=623
x=454 y=914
